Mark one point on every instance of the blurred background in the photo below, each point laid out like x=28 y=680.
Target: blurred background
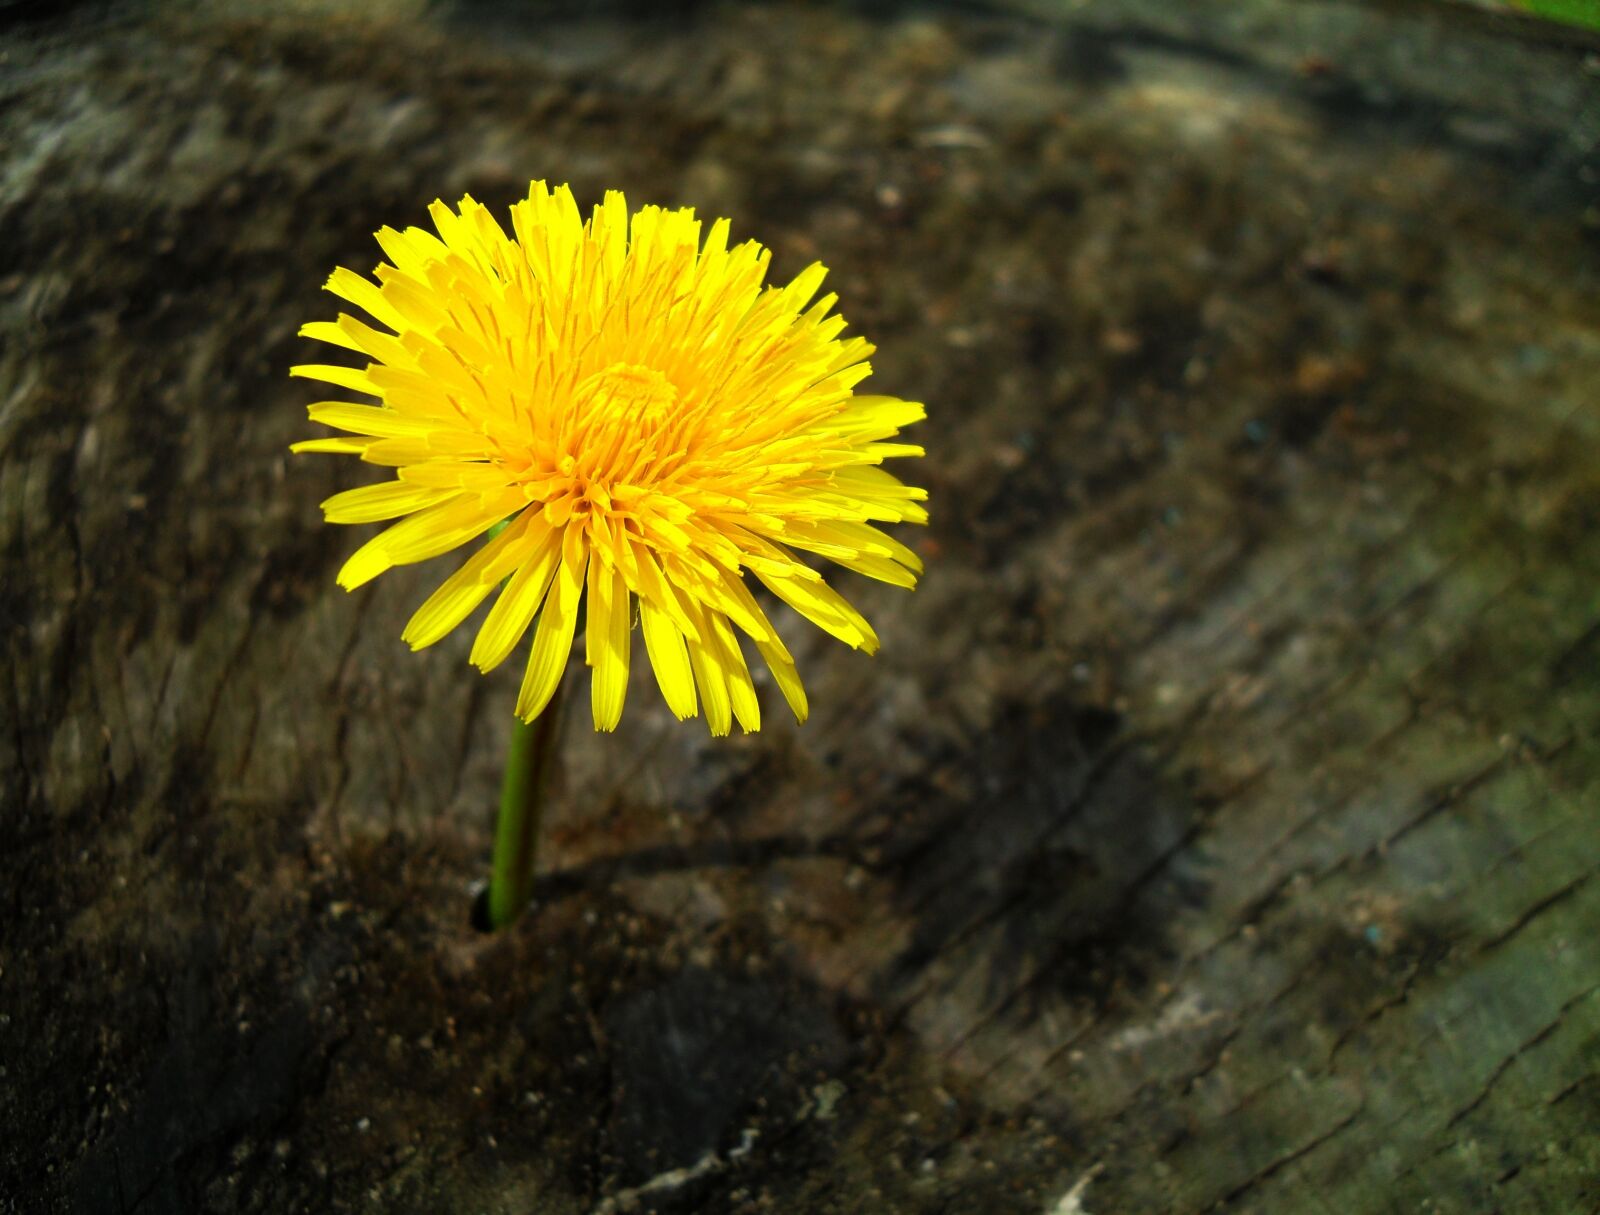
x=1215 y=829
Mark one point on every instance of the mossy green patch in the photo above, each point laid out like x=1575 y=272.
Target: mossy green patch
x=1575 y=12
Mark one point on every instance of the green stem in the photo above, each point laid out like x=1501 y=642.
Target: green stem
x=516 y=832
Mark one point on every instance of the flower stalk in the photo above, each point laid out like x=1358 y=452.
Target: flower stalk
x=517 y=828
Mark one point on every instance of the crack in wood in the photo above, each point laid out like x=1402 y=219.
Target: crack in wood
x=1554 y=899
x=1290 y=1158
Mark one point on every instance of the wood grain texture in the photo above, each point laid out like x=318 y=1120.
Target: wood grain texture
x=1215 y=831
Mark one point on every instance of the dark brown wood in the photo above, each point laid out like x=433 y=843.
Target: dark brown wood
x=1216 y=829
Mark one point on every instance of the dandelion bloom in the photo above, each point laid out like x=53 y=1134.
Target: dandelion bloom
x=650 y=422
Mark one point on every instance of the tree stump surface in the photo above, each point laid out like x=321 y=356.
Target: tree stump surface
x=1216 y=829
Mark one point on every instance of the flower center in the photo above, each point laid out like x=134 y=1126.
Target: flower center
x=626 y=395
x=623 y=420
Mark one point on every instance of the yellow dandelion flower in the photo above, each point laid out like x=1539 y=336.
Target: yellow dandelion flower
x=651 y=422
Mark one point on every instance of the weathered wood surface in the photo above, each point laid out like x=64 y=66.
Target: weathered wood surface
x=1217 y=828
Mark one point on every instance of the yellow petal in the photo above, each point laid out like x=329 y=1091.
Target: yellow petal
x=368 y=419
x=741 y=689
x=858 y=536
x=796 y=295
x=870 y=480
x=715 y=591
x=871 y=417
x=858 y=547
x=786 y=676
x=655 y=589
x=412 y=250
x=552 y=643
x=327 y=331
x=606 y=641
x=475 y=475
x=353 y=378
x=825 y=608
x=892 y=451
x=466 y=518
x=387 y=500
x=418 y=303
x=343 y=445
x=415 y=392
x=778 y=659
x=348 y=285
x=372 y=342
x=880 y=568
x=511 y=614
x=397 y=453
x=669 y=659
x=768 y=636
x=609 y=229
x=438 y=529
x=460 y=594
x=710 y=676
